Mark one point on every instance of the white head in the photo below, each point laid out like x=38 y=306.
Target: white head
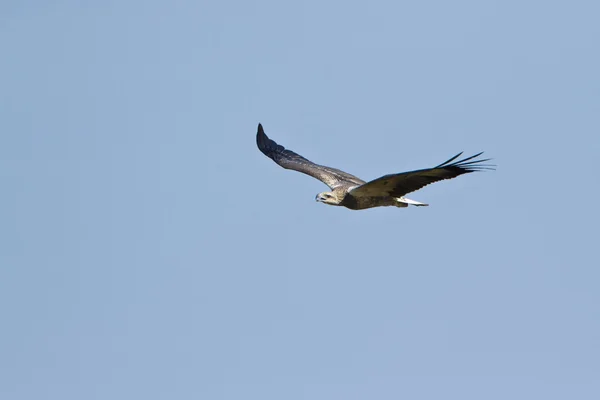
x=328 y=198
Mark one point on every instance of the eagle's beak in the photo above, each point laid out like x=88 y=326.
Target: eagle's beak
x=317 y=198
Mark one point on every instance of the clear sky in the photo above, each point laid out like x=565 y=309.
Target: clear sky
x=150 y=251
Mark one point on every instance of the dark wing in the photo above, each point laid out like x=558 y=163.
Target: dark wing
x=397 y=185
x=289 y=160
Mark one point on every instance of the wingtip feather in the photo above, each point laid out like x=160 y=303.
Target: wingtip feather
x=261 y=138
x=468 y=164
x=450 y=160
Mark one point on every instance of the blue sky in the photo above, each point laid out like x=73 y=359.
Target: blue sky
x=151 y=251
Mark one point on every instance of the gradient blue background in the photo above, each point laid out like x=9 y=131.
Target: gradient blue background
x=150 y=251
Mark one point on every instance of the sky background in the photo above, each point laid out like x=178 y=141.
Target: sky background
x=150 y=251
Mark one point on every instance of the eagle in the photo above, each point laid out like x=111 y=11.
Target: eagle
x=354 y=193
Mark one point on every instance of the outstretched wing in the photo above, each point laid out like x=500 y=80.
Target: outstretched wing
x=289 y=160
x=397 y=185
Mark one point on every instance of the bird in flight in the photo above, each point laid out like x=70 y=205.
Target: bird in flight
x=354 y=193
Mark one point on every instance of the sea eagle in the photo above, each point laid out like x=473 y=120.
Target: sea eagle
x=354 y=193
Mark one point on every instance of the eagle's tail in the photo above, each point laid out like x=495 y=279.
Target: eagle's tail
x=405 y=202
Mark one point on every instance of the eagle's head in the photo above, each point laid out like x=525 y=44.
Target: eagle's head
x=328 y=198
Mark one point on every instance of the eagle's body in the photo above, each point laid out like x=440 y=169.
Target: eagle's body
x=361 y=203
x=354 y=193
